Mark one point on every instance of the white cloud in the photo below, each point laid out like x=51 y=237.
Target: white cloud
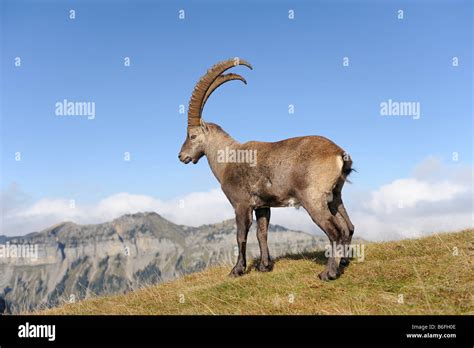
x=407 y=193
x=438 y=198
x=194 y=209
x=403 y=208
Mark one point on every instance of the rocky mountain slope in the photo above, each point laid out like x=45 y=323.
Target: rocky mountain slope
x=79 y=261
x=427 y=276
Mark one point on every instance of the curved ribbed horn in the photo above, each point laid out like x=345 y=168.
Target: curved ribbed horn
x=203 y=85
x=220 y=80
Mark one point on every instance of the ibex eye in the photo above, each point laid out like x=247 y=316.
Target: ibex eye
x=193 y=136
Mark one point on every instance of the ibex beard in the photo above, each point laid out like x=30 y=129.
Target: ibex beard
x=309 y=171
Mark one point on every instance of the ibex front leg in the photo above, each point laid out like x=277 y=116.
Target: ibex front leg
x=243 y=219
x=263 y=219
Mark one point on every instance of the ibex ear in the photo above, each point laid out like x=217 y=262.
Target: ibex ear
x=204 y=126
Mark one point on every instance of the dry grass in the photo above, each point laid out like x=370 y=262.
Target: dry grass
x=426 y=272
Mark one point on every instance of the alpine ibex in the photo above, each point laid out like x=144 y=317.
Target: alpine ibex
x=307 y=171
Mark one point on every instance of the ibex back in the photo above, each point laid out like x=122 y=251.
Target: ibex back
x=305 y=171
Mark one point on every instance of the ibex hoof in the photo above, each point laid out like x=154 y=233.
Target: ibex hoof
x=262 y=268
x=328 y=275
x=237 y=271
x=345 y=261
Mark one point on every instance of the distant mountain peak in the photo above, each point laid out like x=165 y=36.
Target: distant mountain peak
x=140 y=215
x=125 y=253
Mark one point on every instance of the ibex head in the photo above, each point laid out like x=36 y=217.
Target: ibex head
x=198 y=132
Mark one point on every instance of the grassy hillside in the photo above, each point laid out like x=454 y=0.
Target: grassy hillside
x=419 y=276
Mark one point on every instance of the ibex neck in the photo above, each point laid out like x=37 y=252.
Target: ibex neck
x=218 y=142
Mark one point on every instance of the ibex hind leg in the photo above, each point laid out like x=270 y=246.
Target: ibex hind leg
x=336 y=206
x=317 y=208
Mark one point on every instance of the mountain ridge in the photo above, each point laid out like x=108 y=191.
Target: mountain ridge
x=430 y=276
x=76 y=261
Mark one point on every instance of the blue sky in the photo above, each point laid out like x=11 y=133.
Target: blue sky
x=295 y=62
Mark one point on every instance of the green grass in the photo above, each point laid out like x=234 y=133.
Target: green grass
x=418 y=276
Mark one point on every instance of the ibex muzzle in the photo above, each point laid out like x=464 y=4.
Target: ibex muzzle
x=309 y=171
